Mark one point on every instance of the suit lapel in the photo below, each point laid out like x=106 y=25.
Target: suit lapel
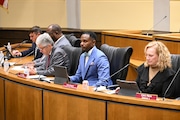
x=82 y=61
x=89 y=63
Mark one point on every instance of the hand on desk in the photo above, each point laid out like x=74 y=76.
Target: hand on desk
x=16 y=53
x=32 y=71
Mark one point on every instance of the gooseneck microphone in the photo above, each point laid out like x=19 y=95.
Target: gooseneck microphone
x=118 y=71
x=164 y=96
x=15 y=64
x=8 y=53
x=23 y=42
x=156 y=25
x=106 y=80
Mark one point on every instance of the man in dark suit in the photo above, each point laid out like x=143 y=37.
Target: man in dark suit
x=54 y=56
x=34 y=33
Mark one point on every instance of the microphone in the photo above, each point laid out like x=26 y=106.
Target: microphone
x=19 y=45
x=15 y=64
x=171 y=84
x=9 y=54
x=156 y=25
x=106 y=80
x=118 y=71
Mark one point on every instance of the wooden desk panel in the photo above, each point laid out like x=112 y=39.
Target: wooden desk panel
x=133 y=112
x=174 y=47
x=67 y=107
x=22 y=102
x=137 y=44
x=1 y=99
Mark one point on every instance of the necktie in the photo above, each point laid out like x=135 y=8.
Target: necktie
x=86 y=58
x=48 y=61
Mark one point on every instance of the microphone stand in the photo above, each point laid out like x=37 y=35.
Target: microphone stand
x=155 y=25
x=119 y=71
x=19 y=45
x=171 y=83
x=23 y=57
x=112 y=76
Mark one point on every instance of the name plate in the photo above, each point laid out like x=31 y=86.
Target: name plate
x=70 y=85
x=146 y=96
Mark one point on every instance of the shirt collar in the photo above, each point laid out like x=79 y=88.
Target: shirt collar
x=89 y=52
x=59 y=39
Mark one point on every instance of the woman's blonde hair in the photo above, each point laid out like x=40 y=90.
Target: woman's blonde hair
x=164 y=60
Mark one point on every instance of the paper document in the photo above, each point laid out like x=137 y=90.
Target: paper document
x=18 y=68
x=36 y=76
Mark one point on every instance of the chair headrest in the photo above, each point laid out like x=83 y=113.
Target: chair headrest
x=175 y=60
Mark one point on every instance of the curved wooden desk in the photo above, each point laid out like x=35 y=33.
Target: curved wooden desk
x=28 y=99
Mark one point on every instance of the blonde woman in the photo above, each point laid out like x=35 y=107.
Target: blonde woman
x=155 y=74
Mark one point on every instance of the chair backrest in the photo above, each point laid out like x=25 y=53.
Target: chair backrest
x=73 y=55
x=75 y=42
x=175 y=59
x=118 y=57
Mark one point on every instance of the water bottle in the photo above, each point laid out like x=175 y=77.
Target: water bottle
x=6 y=65
x=1 y=58
x=26 y=71
x=9 y=46
x=85 y=85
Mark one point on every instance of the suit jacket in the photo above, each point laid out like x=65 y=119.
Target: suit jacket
x=97 y=70
x=62 y=41
x=58 y=57
x=158 y=84
x=32 y=49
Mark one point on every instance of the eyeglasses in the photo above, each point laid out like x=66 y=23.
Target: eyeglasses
x=42 y=48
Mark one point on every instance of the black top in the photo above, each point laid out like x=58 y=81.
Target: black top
x=158 y=84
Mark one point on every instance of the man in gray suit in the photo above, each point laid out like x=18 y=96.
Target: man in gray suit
x=54 y=30
x=54 y=56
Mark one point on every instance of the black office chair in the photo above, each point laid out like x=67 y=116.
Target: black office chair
x=73 y=54
x=75 y=42
x=176 y=66
x=118 y=58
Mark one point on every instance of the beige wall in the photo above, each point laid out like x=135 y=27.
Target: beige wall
x=26 y=13
x=95 y=14
x=117 y=14
x=175 y=15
